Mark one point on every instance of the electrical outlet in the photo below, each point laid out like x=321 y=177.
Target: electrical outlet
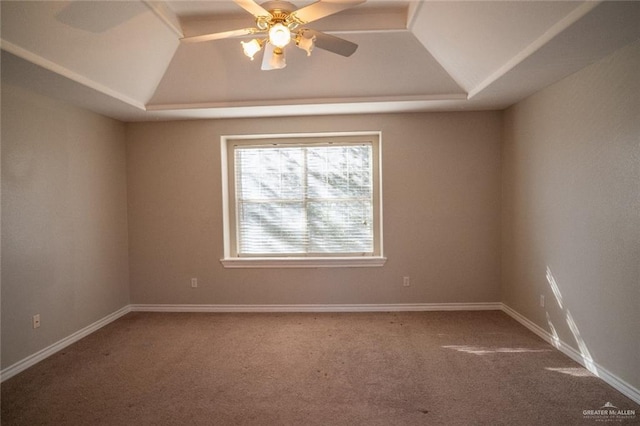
x=36 y=321
x=542 y=300
x=406 y=281
x=194 y=282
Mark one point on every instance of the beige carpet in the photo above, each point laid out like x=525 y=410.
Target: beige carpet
x=426 y=368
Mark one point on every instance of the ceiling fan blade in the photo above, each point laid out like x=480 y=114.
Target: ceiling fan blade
x=323 y=8
x=253 y=8
x=271 y=61
x=331 y=43
x=218 y=36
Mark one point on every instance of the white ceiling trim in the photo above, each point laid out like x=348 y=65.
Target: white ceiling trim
x=306 y=110
x=66 y=72
x=166 y=15
x=325 y=101
x=412 y=13
x=412 y=16
x=545 y=38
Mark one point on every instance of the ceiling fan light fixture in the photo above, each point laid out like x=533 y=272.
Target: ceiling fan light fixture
x=262 y=22
x=306 y=43
x=278 y=22
x=277 y=59
x=279 y=35
x=251 y=47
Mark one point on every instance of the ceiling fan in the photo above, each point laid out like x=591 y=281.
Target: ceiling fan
x=279 y=23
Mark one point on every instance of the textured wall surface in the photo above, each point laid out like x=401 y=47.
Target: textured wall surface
x=64 y=220
x=441 y=214
x=571 y=224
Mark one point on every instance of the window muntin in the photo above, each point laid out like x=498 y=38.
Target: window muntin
x=309 y=196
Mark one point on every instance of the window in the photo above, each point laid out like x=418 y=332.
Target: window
x=307 y=200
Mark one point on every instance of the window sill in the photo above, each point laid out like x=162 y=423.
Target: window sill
x=303 y=262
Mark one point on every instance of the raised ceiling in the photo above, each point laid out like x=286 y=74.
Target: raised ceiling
x=125 y=59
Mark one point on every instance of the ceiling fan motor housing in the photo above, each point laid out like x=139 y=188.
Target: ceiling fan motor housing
x=283 y=6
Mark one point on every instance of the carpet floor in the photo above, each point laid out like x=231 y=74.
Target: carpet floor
x=399 y=368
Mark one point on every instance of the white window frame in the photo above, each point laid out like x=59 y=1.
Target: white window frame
x=231 y=258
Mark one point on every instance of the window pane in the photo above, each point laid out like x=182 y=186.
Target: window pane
x=339 y=172
x=341 y=227
x=264 y=174
x=272 y=228
x=304 y=199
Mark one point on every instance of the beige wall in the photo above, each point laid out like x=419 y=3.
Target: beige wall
x=441 y=192
x=64 y=220
x=571 y=180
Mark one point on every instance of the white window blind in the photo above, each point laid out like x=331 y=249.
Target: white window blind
x=304 y=199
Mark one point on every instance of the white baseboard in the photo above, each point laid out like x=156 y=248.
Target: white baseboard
x=394 y=307
x=595 y=368
x=35 y=358
x=617 y=383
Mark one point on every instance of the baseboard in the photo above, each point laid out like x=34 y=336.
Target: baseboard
x=31 y=360
x=394 y=307
x=595 y=368
x=610 y=378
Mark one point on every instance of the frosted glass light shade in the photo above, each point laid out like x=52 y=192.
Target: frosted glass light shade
x=251 y=48
x=306 y=44
x=277 y=60
x=279 y=35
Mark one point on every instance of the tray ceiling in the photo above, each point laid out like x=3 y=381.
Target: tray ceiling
x=125 y=59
